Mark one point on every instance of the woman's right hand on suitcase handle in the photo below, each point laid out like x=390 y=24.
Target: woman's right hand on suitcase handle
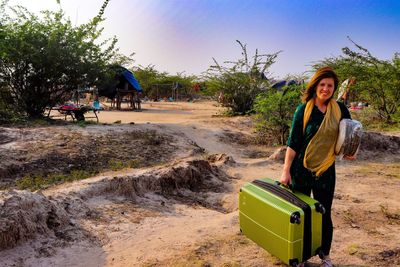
x=286 y=178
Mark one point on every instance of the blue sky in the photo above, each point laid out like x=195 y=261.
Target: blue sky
x=184 y=35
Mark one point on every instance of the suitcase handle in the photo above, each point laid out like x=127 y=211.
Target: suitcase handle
x=289 y=186
x=318 y=206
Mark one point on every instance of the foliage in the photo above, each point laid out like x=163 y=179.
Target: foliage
x=6 y=114
x=117 y=165
x=39 y=181
x=377 y=81
x=147 y=76
x=152 y=80
x=44 y=59
x=274 y=112
x=239 y=84
x=371 y=121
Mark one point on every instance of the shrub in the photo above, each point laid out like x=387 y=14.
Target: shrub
x=239 y=85
x=274 y=112
x=45 y=59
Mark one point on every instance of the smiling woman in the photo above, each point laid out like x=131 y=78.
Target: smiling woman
x=310 y=156
x=324 y=92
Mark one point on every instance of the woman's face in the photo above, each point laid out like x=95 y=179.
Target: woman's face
x=325 y=89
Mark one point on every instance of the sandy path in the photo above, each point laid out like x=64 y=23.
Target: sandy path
x=146 y=233
x=162 y=112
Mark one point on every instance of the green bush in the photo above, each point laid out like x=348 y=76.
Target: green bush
x=44 y=59
x=240 y=84
x=371 y=120
x=274 y=113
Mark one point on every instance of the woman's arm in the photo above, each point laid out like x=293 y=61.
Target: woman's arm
x=286 y=178
x=294 y=144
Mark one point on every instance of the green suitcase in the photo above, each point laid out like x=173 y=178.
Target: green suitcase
x=287 y=224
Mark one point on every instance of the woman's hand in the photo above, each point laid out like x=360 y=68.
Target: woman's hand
x=286 y=178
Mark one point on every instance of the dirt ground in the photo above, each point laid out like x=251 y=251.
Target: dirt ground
x=163 y=191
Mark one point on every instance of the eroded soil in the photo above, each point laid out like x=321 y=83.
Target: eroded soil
x=166 y=194
x=55 y=150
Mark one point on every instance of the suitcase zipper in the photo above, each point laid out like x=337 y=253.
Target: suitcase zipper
x=291 y=198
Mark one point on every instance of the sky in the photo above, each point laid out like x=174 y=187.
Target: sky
x=183 y=36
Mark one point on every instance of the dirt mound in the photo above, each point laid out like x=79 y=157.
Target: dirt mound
x=279 y=155
x=229 y=136
x=375 y=146
x=54 y=151
x=222 y=159
x=189 y=181
x=5 y=138
x=249 y=142
x=26 y=215
x=379 y=142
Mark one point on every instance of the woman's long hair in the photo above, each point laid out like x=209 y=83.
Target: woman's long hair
x=322 y=73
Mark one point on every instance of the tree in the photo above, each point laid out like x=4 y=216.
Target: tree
x=242 y=82
x=148 y=76
x=6 y=114
x=377 y=81
x=151 y=79
x=43 y=59
x=274 y=112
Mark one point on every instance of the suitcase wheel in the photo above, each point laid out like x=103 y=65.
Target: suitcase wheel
x=295 y=218
x=320 y=208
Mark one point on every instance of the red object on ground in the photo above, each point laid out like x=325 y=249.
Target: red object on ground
x=69 y=107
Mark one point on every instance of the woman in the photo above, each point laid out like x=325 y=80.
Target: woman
x=310 y=158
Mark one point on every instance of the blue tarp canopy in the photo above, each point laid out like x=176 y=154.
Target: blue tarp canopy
x=132 y=80
x=279 y=84
x=283 y=83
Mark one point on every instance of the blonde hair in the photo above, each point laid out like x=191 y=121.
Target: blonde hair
x=321 y=73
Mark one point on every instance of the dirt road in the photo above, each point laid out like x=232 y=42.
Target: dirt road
x=178 y=206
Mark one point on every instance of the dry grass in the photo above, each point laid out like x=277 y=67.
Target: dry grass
x=382 y=169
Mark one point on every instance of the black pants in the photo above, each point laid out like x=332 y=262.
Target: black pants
x=325 y=198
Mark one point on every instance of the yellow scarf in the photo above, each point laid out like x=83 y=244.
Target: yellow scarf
x=320 y=152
